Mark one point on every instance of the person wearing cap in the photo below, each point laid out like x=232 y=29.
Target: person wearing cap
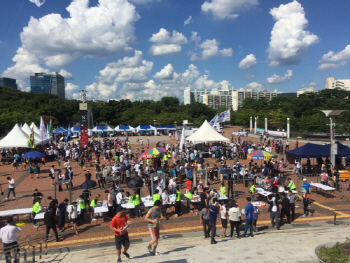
x=9 y=238
x=306 y=185
x=62 y=208
x=11 y=188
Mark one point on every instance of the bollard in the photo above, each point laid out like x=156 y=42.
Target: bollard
x=46 y=247
x=25 y=255
x=17 y=256
x=33 y=247
x=335 y=218
x=40 y=250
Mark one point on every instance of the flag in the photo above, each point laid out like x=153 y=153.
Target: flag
x=30 y=141
x=50 y=128
x=182 y=141
x=67 y=134
x=38 y=2
x=42 y=128
x=224 y=116
x=214 y=120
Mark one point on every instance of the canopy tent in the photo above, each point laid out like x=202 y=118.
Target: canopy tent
x=57 y=131
x=36 y=129
x=75 y=129
x=62 y=129
x=261 y=155
x=160 y=127
x=16 y=138
x=342 y=149
x=37 y=136
x=102 y=129
x=170 y=127
x=145 y=128
x=123 y=128
x=206 y=133
x=311 y=150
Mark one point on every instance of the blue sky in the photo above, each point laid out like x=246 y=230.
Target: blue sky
x=143 y=49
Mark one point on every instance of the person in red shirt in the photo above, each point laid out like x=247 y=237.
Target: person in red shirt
x=188 y=184
x=118 y=224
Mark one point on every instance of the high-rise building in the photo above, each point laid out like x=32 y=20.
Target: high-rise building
x=226 y=96
x=48 y=83
x=331 y=83
x=8 y=82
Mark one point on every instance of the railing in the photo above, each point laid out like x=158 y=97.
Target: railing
x=24 y=249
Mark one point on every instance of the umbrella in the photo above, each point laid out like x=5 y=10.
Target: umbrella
x=135 y=182
x=261 y=155
x=33 y=155
x=153 y=153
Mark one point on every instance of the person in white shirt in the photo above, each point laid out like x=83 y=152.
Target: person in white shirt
x=165 y=203
x=223 y=214
x=119 y=199
x=52 y=174
x=73 y=215
x=11 y=188
x=9 y=238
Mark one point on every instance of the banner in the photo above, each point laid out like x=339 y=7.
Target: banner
x=182 y=141
x=224 y=116
x=50 y=128
x=42 y=129
x=38 y=2
x=30 y=141
x=214 y=120
x=67 y=134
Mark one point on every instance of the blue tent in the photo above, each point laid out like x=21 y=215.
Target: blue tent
x=57 y=131
x=170 y=127
x=160 y=127
x=75 y=129
x=62 y=129
x=311 y=150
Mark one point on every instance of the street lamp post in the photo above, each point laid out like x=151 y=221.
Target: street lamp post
x=332 y=114
x=256 y=119
x=154 y=123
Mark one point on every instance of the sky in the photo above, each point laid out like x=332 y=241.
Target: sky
x=147 y=49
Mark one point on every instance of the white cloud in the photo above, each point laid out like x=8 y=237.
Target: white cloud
x=289 y=41
x=327 y=66
x=248 y=62
x=248 y=76
x=204 y=83
x=189 y=20
x=99 y=31
x=222 y=9
x=313 y=83
x=275 y=79
x=166 y=73
x=210 y=49
x=255 y=86
x=342 y=55
x=166 y=45
x=72 y=91
x=195 y=37
x=65 y=74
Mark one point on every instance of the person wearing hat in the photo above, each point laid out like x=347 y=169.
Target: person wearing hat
x=306 y=185
x=11 y=188
x=9 y=238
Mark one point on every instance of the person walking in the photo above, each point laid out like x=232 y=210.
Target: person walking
x=178 y=198
x=73 y=215
x=82 y=207
x=249 y=210
x=214 y=209
x=235 y=218
x=154 y=217
x=204 y=219
x=306 y=197
x=50 y=222
x=292 y=200
x=285 y=210
x=62 y=208
x=136 y=201
x=274 y=210
x=11 y=188
x=52 y=174
x=9 y=239
x=256 y=214
x=223 y=215
x=119 y=224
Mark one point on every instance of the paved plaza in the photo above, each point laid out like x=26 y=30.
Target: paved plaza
x=293 y=244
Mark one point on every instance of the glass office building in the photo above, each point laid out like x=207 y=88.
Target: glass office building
x=8 y=82
x=48 y=83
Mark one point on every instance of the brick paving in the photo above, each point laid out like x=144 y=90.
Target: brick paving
x=98 y=231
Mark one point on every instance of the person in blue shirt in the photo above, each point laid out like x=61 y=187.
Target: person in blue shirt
x=306 y=185
x=249 y=210
x=214 y=209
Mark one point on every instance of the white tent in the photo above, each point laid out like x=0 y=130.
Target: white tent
x=102 y=129
x=206 y=133
x=145 y=128
x=15 y=138
x=28 y=130
x=36 y=129
x=124 y=128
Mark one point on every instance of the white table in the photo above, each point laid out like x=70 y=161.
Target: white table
x=293 y=191
x=39 y=216
x=263 y=192
x=323 y=187
x=16 y=212
x=194 y=201
x=101 y=209
x=128 y=206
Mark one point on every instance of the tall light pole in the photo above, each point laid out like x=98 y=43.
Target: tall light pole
x=251 y=124
x=288 y=128
x=256 y=119
x=154 y=123
x=332 y=114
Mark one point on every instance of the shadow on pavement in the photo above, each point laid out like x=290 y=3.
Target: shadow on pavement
x=166 y=253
